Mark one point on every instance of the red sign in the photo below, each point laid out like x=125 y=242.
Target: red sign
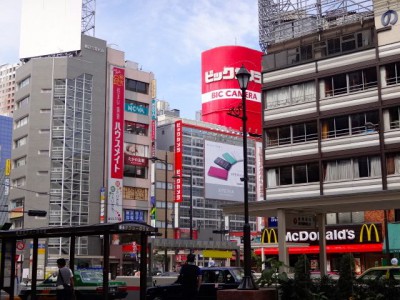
x=135 y=160
x=20 y=245
x=178 y=161
x=117 y=126
x=220 y=88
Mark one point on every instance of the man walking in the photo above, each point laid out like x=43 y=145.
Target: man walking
x=65 y=281
x=190 y=278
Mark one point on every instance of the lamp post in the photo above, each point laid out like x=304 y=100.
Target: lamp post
x=165 y=162
x=243 y=77
x=190 y=202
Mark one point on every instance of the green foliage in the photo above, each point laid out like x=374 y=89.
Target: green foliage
x=347 y=276
x=270 y=275
x=256 y=261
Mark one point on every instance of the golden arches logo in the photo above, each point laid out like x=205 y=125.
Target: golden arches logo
x=270 y=233
x=368 y=228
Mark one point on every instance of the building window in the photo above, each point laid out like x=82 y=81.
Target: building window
x=21 y=122
x=20 y=142
x=392 y=73
x=290 y=95
x=22 y=103
x=345 y=169
x=136 y=128
x=161 y=185
x=293 y=134
x=135 y=215
x=356 y=217
x=297 y=174
x=135 y=193
x=19 y=181
x=393 y=164
x=24 y=82
x=136 y=86
x=354 y=124
x=20 y=162
x=350 y=82
x=135 y=171
x=394 y=117
x=17 y=203
x=161 y=166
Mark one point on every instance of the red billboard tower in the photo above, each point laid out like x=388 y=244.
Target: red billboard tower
x=220 y=89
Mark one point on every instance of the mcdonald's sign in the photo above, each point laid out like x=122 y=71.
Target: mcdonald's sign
x=270 y=233
x=368 y=228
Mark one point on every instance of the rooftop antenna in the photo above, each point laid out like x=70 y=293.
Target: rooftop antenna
x=88 y=17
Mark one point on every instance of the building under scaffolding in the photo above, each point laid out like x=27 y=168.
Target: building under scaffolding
x=282 y=20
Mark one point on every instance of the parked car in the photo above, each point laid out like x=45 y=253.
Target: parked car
x=88 y=285
x=213 y=279
x=380 y=273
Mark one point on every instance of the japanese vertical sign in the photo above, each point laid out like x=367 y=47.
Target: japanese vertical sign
x=115 y=144
x=178 y=161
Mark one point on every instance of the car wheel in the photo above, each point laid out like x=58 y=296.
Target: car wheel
x=28 y=297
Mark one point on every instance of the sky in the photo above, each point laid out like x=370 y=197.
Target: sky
x=165 y=37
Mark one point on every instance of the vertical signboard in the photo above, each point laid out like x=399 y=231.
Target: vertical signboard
x=178 y=161
x=115 y=146
x=220 y=88
x=102 y=204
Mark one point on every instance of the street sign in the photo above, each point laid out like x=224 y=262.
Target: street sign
x=20 y=245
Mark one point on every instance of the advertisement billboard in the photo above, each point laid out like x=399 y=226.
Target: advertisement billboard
x=220 y=88
x=50 y=27
x=115 y=145
x=223 y=164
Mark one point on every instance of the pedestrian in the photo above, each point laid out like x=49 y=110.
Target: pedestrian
x=190 y=278
x=65 y=281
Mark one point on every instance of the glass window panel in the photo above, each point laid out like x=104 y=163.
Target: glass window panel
x=313 y=172
x=339 y=84
x=272 y=137
x=355 y=81
x=311 y=131
x=342 y=125
x=285 y=175
x=344 y=218
x=363 y=166
x=370 y=78
x=284 y=135
x=333 y=46
x=300 y=174
x=299 y=133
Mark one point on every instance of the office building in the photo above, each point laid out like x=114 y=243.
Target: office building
x=331 y=108
x=197 y=146
x=7 y=88
x=5 y=156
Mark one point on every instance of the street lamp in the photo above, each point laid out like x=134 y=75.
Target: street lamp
x=165 y=162
x=191 y=201
x=243 y=77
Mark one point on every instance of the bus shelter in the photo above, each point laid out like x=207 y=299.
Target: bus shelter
x=10 y=238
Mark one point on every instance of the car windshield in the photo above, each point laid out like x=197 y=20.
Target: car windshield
x=91 y=276
x=238 y=273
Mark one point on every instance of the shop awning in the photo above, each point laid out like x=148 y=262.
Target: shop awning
x=329 y=249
